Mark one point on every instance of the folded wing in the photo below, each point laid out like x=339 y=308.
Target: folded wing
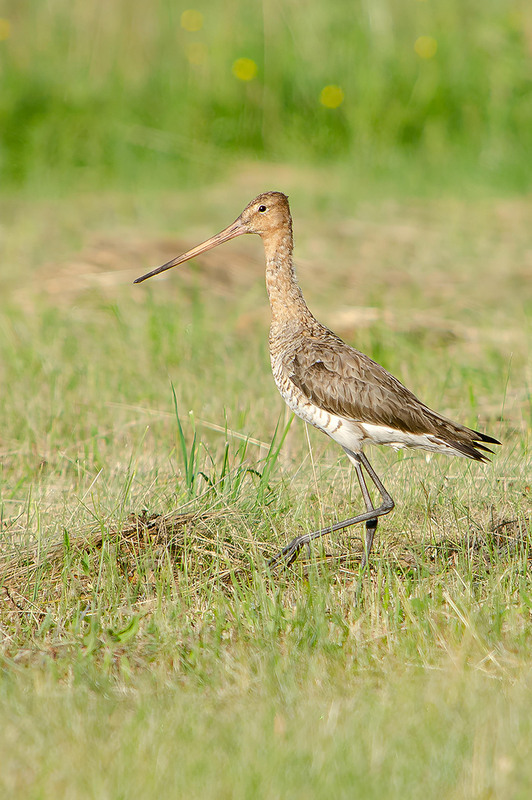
x=349 y=384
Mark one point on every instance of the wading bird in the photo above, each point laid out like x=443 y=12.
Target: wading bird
x=329 y=384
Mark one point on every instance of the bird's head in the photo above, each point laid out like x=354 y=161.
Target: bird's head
x=266 y=214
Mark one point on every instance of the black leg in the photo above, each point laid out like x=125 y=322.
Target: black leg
x=289 y=553
x=371 y=524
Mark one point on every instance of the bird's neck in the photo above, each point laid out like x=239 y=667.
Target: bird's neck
x=286 y=298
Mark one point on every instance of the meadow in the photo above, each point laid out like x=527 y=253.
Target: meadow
x=148 y=466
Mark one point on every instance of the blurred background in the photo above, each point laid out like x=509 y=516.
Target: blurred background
x=402 y=94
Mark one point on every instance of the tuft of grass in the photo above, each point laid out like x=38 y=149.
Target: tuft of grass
x=189 y=458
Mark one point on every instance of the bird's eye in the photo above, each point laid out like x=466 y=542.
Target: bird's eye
x=262 y=208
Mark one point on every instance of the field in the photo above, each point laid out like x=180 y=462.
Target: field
x=148 y=466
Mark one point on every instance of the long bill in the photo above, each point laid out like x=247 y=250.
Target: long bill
x=237 y=228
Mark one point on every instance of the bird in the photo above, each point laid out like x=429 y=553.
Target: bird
x=331 y=385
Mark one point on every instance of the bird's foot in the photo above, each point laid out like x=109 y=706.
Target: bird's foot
x=289 y=553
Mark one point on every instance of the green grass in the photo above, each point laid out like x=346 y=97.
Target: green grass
x=119 y=94
x=178 y=665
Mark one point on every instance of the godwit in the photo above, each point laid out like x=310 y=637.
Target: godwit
x=327 y=382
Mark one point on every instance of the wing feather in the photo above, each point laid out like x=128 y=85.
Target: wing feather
x=345 y=382
x=349 y=384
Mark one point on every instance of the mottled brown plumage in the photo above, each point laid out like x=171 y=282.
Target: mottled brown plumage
x=327 y=382
x=345 y=382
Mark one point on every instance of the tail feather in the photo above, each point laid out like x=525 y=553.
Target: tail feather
x=485 y=438
x=473 y=448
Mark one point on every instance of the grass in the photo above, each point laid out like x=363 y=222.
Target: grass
x=113 y=94
x=146 y=653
